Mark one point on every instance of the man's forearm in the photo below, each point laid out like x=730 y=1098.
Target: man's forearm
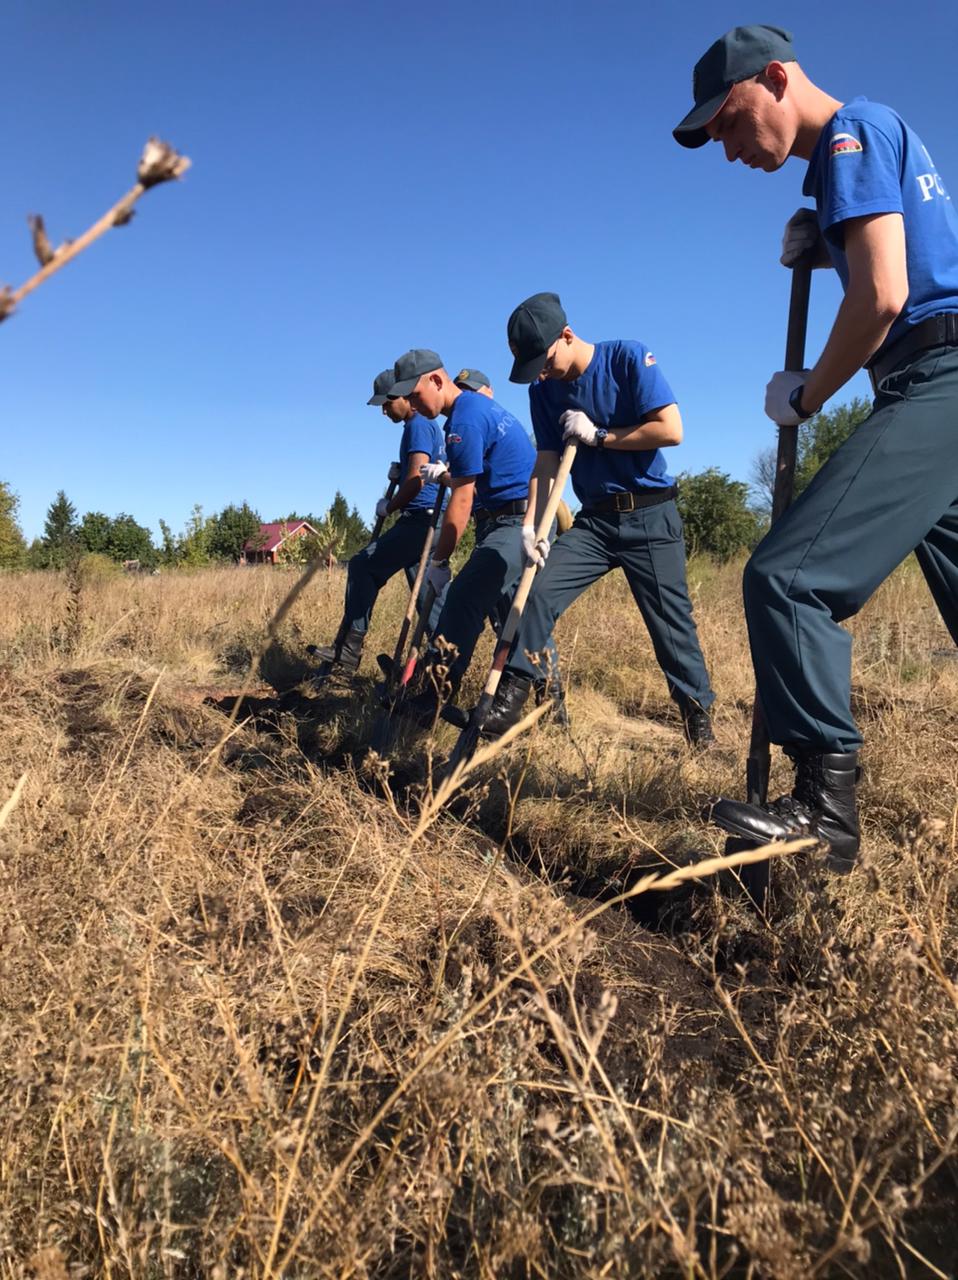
x=407 y=492
x=454 y=523
x=540 y=486
x=858 y=332
x=645 y=435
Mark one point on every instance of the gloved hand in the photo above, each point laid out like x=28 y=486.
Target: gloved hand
x=395 y=472
x=433 y=471
x=438 y=573
x=534 y=552
x=801 y=235
x=578 y=427
x=776 y=398
x=382 y=508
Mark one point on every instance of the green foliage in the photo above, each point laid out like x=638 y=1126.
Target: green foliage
x=355 y=532
x=60 y=533
x=13 y=548
x=228 y=532
x=94 y=533
x=192 y=547
x=818 y=438
x=130 y=541
x=715 y=511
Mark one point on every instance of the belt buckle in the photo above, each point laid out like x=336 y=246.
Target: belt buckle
x=623 y=502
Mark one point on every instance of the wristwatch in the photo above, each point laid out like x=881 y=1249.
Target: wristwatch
x=600 y=437
x=795 y=401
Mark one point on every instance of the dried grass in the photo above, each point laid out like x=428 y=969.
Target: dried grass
x=266 y=1012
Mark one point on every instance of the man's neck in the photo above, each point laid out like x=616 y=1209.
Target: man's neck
x=817 y=108
x=452 y=395
x=582 y=353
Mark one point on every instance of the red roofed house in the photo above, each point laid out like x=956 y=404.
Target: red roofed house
x=266 y=547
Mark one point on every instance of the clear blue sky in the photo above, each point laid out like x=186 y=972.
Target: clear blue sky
x=369 y=177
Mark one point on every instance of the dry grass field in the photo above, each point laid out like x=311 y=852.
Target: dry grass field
x=265 y=1011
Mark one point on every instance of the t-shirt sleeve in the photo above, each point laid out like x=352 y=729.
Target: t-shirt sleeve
x=545 y=425
x=862 y=167
x=650 y=389
x=421 y=438
x=464 y=448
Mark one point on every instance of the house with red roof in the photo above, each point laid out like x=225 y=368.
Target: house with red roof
x=266 y=547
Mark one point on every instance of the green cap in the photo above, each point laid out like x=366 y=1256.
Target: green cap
x=472 y=379
x=382 y=385
x=533 y=327
x=740 y=54
x=410 y=368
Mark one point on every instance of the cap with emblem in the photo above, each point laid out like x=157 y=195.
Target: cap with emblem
x=472 y=379
x=740 y=54
x=533 y=327
x=410 y=368
x=382 y=385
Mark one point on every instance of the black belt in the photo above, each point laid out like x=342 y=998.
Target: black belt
x=631 y=501
x=936 y=331
x=517 y=508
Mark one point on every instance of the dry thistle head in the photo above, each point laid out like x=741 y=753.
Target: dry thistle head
x=160 y=163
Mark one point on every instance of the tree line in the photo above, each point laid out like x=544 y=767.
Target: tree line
x=723 y=517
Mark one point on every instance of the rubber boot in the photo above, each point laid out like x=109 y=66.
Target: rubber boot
x=697 y=724
x=508 y=705
x=822 y=804
x=346 y=653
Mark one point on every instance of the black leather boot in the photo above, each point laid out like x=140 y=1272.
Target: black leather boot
x=434 y=686
x=507 y=706
x=822 y=804
x=697 y=724
x=346 y=653
x=553 y=689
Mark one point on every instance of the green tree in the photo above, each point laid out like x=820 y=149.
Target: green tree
x=13 y=548
x=818 y=438
x=716 y=513
x=229 y=531
x=355 y=532
x=60 y=532
x=169 y=552
x=94 y=532
x=130 y=541
x=193 y=549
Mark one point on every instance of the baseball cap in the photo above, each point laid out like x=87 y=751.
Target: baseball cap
x=382 y=385
x=740 y=54
x=471 y=378
x=533 y=327
x=410 y=368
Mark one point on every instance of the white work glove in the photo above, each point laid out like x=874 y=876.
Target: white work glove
x=395 y=472
x=382 y=508
x=535 y=552
x=438 y=574
x=776 y=398
x=433 y=471
x=577 y=427
x=802 y=234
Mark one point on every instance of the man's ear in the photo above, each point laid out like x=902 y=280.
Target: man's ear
x=567 y=335
x=775 y=77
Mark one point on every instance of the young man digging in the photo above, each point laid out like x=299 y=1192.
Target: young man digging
x=891 y=231
x=401 y=545
x=612 y=400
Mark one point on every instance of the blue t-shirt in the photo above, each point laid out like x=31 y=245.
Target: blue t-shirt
x=421 y=435
x=486 y=441
x=868 y=161
x=621 y=385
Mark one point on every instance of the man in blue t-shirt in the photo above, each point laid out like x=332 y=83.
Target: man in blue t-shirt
x=490 y=460
x=885 y=221
x=400 y=547
x=612 y=400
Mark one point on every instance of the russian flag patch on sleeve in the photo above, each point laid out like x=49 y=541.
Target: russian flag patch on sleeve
x=649 y=358
x=843 y=144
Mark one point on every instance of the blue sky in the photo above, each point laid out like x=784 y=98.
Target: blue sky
x=369 y=177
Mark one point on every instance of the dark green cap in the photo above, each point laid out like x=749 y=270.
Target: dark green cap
x=533 y=327
x=410 y=368
x=741 y=53
x=473 y=379
x=382 y=385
